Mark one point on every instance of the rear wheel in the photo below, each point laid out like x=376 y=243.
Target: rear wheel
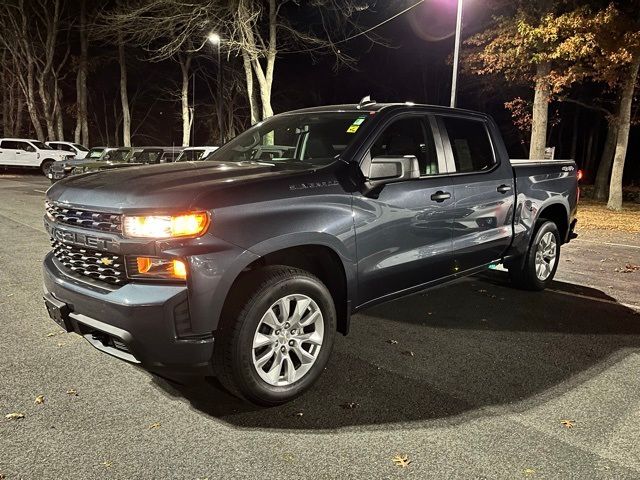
x=540 y=263
x=277 y=340
x=45 y=167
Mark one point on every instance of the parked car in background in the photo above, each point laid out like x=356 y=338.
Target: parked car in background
x=61 y=169
x=78 y=151
x=21 y=152
x=170 y=154
x=122 y=158
x=195 y=154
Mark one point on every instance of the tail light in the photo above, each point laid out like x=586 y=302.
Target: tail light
x=580 y=174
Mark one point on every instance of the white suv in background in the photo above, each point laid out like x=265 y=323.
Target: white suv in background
x=77 y=150
x=20 y=152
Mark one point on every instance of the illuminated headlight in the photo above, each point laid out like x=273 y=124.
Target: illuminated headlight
x=154 y=268
x=166 y=226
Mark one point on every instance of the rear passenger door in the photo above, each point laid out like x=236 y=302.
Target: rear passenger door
x=483 y=192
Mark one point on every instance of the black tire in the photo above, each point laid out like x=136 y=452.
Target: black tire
x=523 y=273
x=45 y=167
x=250 y=300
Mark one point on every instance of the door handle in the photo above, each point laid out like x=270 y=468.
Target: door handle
x=504 y=188
x=440 y=196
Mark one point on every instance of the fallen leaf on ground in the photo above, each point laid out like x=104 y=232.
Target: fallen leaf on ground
x=106 y=464
x=298 y=414
x=567 y=423
x=154 y=425
x=529 y=471
x=401 y=461
x=72 y=391
x=349 y=405
x=39 y=400
x=482 y=290
x=53 y=334
x=392 y=342
x=409 y=353
x=60 y=344
x=14 y=416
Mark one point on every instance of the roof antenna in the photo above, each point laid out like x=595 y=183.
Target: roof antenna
x=365 y=102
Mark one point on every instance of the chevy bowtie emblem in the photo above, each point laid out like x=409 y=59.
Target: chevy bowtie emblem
x=106 y=261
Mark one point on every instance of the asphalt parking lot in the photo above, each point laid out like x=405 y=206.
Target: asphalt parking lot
x=472 y=380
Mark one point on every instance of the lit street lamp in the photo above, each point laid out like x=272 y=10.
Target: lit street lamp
x=456 y=54
x=215 y=39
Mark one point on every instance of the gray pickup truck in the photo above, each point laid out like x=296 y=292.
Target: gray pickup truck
x=246 y=269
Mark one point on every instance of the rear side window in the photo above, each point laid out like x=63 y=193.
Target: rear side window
x=470 y=144
x=15 y=145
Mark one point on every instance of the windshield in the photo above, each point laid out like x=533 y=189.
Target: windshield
x=95 y=153
x=82 y=148
x=118 y=155
x=310 y=138
x=146 y=156
x=190 y=155
x=41 y=146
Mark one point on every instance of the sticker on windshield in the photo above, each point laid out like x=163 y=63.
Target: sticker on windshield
x=356 y=124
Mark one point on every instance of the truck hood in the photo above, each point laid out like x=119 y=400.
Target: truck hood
x=167 y=187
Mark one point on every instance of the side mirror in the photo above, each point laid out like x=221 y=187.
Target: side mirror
x=393 y=169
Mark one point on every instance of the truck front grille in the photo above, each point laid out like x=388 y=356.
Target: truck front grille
x=102 y=266
x=103 y=222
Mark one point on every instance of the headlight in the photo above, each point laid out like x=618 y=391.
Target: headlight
x=156 y=268
x=166 y=226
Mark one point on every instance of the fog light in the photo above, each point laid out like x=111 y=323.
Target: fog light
x=154 y=268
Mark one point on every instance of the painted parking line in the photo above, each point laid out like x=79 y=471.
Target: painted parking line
x=607 y=243
x=40 y=191
x=594 y=299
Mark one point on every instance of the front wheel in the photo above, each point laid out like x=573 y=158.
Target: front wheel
x=45 y=167
x=539 y=266
x=279 y=341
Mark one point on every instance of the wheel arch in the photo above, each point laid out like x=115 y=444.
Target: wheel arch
x=558 y=213
x=315 y=254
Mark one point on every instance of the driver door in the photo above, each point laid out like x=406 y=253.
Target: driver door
x=403 y=232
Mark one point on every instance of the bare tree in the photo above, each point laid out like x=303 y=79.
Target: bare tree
x=82 y=122
x=31 y=32
x=257 y=31
x=124 y=98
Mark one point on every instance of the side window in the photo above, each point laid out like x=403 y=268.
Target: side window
x=470 y=144
x=66 y=148
x=10 y=144
x=27 y=147
x=409 y=136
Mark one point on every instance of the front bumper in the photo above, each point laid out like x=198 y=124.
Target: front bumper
x=135 y=322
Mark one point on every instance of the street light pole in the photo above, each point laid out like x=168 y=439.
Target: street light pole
x=215 y=39
x=456 y=54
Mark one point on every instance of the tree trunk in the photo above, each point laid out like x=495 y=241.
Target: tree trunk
x=624 y=124
x=82 y=122
x=7 y=101
x=31 y=103
x=601 y=184
x=251 y=94
x=17 y=126
x=58 y=115
x=126 y=116
x=540 y=112
x=185 y=65
x=574 y=134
